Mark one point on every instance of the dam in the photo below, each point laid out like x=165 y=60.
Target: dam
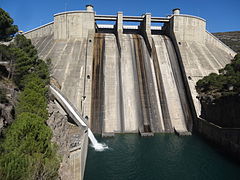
x=131 y=78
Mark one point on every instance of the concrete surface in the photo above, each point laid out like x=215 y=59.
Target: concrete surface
x=158 y=86
x=73 y=24
x=172 y=84
x=199 y=53
x=129 y=83
x=111 y=120
x=128 y=100
x=71 y=139
x=77 y=158
x=44 y=30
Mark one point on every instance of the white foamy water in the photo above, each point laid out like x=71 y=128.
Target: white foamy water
x=95 y=144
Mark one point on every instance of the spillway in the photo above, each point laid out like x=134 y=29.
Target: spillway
x=176 y=110
x=133 y=92
x=131 y=79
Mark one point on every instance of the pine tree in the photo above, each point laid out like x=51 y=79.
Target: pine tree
x=7 y=29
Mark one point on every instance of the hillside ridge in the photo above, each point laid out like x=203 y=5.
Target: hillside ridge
x=231 y=39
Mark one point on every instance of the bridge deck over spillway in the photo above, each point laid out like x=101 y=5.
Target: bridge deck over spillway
x=131 y=18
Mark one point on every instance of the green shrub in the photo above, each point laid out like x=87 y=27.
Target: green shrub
x=28 y=150
x=227 y=82
x=33 y=102
x=33 y=82
x=26 y=62
x=22 y=65
x=41 y=69
x=25 y=44
x=5 y=54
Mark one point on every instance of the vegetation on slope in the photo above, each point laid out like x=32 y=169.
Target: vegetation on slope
x=219 y=95
x=26 y=150
x=226 y=83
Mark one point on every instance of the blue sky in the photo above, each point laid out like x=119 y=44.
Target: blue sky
x=221 y=15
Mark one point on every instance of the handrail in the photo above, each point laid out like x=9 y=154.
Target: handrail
x=39 y=27
x=68 y=107
x=130 y=18
x=219 y=127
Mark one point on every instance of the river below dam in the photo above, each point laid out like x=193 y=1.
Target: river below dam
x=164 y=156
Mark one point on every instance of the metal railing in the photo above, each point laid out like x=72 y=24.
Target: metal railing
x=131 y=18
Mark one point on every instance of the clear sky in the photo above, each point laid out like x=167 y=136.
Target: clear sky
x=221 y=15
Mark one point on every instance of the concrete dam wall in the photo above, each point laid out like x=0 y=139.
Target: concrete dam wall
x=130 y=79
x=134 y=92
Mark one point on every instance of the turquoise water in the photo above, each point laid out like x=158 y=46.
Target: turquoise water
x=164 y=156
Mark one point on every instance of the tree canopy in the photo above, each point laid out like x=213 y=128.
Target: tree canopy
x=7 y=29
x=227 y=82
x=26 y=150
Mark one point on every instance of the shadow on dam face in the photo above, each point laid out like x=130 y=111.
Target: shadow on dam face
x=134 y=91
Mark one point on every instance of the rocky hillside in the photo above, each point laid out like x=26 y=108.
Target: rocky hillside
x=8 y=99
x=232 y=39
x=219 y=94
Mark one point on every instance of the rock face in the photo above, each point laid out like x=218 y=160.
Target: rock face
x=224 y=111
x=7 y=108
x=220 y=122
x=6 y=115
x=65 y=134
